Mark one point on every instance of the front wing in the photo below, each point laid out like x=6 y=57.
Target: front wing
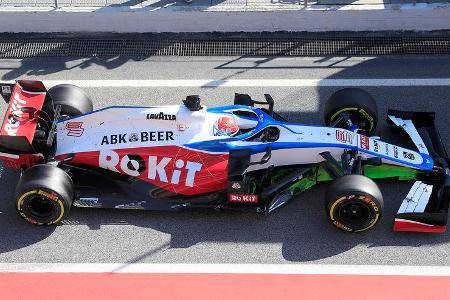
x=425 y=208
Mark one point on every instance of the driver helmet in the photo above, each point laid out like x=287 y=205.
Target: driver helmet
x=225 y=126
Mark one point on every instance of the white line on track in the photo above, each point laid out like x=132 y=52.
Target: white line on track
x=212 y=83
x=227 y=269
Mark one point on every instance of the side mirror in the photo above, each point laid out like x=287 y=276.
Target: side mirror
x=244 y=99
x=269 y=101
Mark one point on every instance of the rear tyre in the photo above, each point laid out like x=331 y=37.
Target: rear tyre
x=359 y=106
x=73 y=100
x=44 y=195
x=354 y=203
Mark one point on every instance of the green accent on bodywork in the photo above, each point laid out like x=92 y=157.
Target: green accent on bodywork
x=322 y=174
x=377 y=172
x=308 y=180
x=311 y=178
x=318 y=174
x=390 y=171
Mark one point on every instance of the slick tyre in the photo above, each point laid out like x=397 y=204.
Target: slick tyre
x=73 y=100
x=359 y=106
x=44 y=195
x=354 y=203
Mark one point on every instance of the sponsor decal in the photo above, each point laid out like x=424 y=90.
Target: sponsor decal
x=236 y=186
x=408 y=155
x=161 y=116
x=163 y=169
x=364 y=142
x=134 y=137
x=133 y=205
x=146 y=136
x=376 y=146
x=366 y=115
x=386 y=149
x=51 y=196
x=176 y=169
x=341 y=226
x=87 y=202
x=395 y=151
x=15 y=113
x=74 y=129
x=243 y=198
x=90 y=200
x=344 y=137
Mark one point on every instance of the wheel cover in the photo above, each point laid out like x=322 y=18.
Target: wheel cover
x=41 y=207
x=355 y=214
x=358 y=116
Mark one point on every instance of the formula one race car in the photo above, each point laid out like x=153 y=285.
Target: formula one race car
x=231 y=157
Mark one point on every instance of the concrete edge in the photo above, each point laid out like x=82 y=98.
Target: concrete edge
x=313 y=18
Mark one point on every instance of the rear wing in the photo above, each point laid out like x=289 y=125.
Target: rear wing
x=29 y=110
x=425 y=208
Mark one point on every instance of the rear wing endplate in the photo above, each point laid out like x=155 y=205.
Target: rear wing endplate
x=16 y=132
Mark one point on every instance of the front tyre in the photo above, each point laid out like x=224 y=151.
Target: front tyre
x=354 y=203
x=44 y=195
x=354 y=104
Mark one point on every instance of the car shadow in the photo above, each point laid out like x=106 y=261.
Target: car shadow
x=49 y=65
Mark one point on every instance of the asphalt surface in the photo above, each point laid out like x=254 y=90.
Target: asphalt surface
x=298 y=232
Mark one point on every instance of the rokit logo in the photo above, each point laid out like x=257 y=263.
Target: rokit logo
x=243 y=198
x=344 y=136
x=146 y=136
x=164 y=169
x=161 y=116
x=15 y=113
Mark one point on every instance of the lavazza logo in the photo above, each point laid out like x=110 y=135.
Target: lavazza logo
x=163 y=169
x=12 y=126
x=161 y=116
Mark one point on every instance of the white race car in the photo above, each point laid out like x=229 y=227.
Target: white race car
x=230 y=157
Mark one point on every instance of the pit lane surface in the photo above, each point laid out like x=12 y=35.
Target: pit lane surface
x=298 y=232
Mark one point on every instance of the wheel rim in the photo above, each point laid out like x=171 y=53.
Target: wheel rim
x=41 y=207
x=355 y=214
x=357 y=118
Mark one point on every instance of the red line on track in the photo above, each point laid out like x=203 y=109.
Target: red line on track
x=219 y=286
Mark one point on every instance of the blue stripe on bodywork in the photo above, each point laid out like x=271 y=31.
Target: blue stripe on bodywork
x=225 y=146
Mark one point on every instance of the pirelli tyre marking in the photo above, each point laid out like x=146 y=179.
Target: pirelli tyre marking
x=360 y=111
x=376 y=210
x=48 y=195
